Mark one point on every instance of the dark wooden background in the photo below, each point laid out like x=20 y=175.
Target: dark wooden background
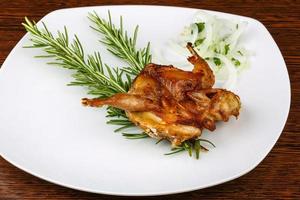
x=277 y=177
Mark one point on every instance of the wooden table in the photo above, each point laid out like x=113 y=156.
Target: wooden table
x=277 y=177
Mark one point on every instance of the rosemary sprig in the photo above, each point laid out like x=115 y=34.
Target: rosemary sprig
x=191 y=146
x=89 y=70
x=120 y=44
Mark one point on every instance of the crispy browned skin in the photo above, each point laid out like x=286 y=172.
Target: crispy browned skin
x=174 y=104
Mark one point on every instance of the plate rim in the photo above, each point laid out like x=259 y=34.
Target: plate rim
x=166 y=192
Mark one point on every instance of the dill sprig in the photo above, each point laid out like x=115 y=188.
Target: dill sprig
x=120 y=44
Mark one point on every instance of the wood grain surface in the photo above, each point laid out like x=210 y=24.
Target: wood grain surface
x=277 y=177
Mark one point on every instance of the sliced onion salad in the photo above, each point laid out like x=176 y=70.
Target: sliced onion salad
x=215 y=39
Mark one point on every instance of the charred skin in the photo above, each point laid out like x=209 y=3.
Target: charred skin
x=173 y=104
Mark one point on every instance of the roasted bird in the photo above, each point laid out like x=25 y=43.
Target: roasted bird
x=169 y=103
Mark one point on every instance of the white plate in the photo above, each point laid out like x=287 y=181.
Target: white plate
x=45 y=131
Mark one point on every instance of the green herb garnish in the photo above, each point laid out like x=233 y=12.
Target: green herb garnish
x=200 y=26
x=236 y=62
x=199 y=41
x=191 y=146
x=100 y=80
x=226 y=48
x=217 y=61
